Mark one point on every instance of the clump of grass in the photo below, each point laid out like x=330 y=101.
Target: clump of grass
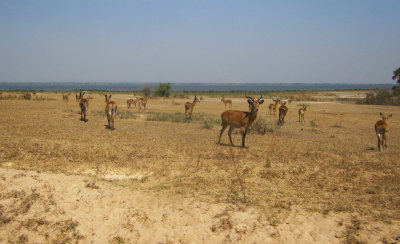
x=313 y=123
x=262 y=126
x=351 y=233
x=207 y=124
x=117 y=240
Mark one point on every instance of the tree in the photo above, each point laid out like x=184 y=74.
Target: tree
x=396 y=75
x=147 y=91
x=163 y=90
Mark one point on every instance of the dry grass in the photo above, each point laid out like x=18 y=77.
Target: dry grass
x=330 y=164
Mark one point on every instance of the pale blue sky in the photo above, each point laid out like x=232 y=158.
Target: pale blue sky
x=200 y=41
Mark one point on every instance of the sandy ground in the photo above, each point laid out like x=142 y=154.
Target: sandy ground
x=66 y=181
x=47 y=207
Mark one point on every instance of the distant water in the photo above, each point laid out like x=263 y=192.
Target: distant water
x=65 y=86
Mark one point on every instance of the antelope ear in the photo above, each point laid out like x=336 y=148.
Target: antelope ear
x=249 y=101
x=383 y=117
x=261 y=102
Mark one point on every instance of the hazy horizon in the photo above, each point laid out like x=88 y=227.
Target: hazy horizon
x=151 y=41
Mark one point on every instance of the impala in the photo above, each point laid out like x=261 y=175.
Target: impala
x=189 y=107
x=143 y=101
x=84 y=105
x=131 y=101
x=1 y=95
x=273 y=106
x=27 y=96
x=65 y=97
x=226 y=101
x=240 y=119
x=282 y=113
x=111 y=111
x=381 y=128
x=302 y=111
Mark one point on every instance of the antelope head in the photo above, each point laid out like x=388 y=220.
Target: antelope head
x=254 y=103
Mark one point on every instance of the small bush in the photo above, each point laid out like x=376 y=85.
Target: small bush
x=313 y=123
x=207 y=124
x=262 y=126
x=163 y=90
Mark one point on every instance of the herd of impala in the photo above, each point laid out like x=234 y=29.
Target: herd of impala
x=232 y=118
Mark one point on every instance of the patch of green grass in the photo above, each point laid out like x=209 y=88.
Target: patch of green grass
x=180 y=117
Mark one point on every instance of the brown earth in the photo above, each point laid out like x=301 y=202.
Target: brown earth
x=159 y=179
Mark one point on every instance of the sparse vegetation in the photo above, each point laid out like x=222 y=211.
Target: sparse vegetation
x=295 y=169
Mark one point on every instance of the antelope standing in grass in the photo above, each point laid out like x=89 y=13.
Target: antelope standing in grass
x=1 y=95
x=381 y=128
x=273 y=106
x=132 y=101
x=27 y=96
x=240 y=119
x=189 y=107
x=84 y=105
x=302 y=111
x=282 y=113
x=111 y=111
x=143 y=102
x=65 y=97
x=226 y=101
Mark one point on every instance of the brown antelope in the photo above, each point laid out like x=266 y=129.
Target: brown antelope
x=84 y=105
x=282 y=113
x=65 y=97
x=1 y=95
x=381 y=128
x=226 y=101
x=111 y=111
x=302 y=111
x=27 y=96
x=189 y=107
x=240 y=119
x=132 y=101
x=273 y=106
x=143 y=102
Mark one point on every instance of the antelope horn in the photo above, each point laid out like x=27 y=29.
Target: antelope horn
x=248 y=97
x=260 y=97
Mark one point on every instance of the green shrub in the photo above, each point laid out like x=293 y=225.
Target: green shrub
x=163 y=90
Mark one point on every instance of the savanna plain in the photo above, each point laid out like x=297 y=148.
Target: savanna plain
x=159 y=178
